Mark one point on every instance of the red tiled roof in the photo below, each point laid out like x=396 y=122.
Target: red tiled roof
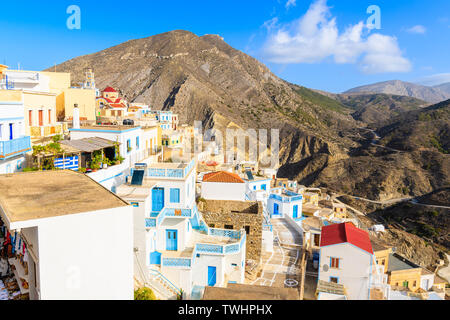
x=222 y=176
x=117 y=105
x=346 y=233
x=109 y=89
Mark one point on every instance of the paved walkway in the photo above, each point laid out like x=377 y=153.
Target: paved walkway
x=445 y=272
x=281 y=268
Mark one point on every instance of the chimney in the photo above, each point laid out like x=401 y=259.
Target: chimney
x=76 y=117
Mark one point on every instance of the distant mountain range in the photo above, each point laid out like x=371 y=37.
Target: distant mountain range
x=434 y=94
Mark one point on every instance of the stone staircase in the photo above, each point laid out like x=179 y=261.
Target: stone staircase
x=163 y=288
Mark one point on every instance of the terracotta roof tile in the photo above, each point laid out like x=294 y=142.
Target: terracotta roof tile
x=109 y=89
x=346 y=233
x=222 y=176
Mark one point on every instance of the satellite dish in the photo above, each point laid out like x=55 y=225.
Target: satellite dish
x=325 y=268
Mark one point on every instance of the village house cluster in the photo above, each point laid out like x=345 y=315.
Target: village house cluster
x=93 y=206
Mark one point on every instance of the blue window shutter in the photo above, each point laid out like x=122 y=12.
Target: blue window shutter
x=137 y=142
x=175 y=195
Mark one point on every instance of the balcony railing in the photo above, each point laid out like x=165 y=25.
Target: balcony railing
x=14 y=147
x=286 y=198
x=157 y=218
x=170 y=173
x=214 y=249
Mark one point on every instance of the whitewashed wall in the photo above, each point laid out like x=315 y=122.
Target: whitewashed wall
x=354 y=269
x=87 y=256
x=223 y=191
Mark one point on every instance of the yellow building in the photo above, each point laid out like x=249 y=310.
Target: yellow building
x=173 y=139
x=67 y=97
x=311 y=198
x=403 y=273
x=152 y=137
x=340 y=211
x=382 y=254
x=40 y=114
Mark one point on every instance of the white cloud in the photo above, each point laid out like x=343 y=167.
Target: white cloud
x=315 y=37
x=291 y=3
x=417 y=29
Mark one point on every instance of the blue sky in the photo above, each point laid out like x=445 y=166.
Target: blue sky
x=304 y=42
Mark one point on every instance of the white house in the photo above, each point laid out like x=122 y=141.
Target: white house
x=346 y=257
x=283 y=203
x=129 y=137
x=174 y=248
x=13 y=141
x=135 y=144
x=75 y=236
x=223 y=185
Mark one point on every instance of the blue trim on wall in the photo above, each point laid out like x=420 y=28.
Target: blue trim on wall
x=11 y=119
x=99 y=130
x=117 y=175
x=12 y=102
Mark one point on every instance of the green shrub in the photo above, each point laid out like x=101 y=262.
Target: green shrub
x=144 y=294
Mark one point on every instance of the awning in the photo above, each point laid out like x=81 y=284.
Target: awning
x=86 y=144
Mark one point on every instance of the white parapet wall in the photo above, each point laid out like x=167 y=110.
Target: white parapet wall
x=112 y=176
x=267 y=240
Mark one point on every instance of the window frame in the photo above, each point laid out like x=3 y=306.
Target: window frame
x=334 y=265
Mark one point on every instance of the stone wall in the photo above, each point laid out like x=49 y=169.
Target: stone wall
x=239 y=214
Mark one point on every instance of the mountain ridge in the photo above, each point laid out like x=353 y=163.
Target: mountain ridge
x=398 y=87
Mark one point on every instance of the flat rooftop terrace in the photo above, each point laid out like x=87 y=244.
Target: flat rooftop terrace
x=36 y=195
x=397 y=263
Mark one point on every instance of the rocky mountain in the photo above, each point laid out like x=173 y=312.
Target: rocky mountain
x=205 y=79
x=445 y=87
x=397 y=87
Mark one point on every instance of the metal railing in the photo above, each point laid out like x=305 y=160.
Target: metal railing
x=154 y=222
x=286 y=198
x=14 y=147
x=170 y=173
x=159 y=275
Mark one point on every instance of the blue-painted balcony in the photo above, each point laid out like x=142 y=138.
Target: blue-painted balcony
x=156 y=218
x=170 y=170
x=215 y=242
x=287 y=196
x=15 y=147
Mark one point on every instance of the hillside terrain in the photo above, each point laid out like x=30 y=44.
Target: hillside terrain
x=376 y=108
x=427 y=128
x=397 y=87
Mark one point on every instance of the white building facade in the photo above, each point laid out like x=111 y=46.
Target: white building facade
x=14 y=144
x=173 y=244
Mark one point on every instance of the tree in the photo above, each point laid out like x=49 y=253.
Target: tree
x=144 y=294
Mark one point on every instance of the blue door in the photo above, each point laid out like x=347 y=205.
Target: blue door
x=157 y=199
x=295 y=212
x=211 y=276
x=10 y=131
x=276 y=209
x=171 y=240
